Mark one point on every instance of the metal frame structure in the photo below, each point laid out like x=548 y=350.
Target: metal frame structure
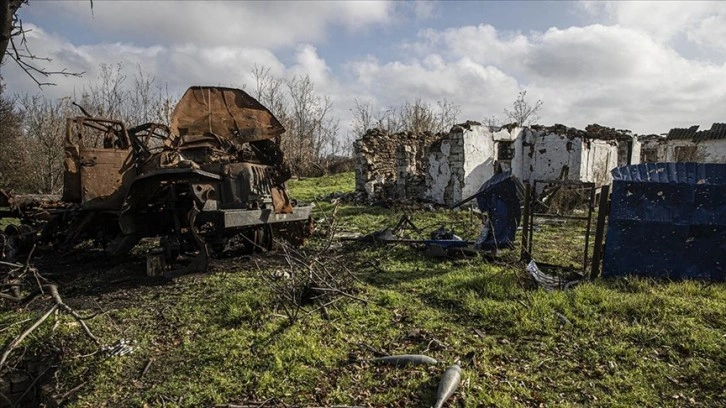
x=529 y=215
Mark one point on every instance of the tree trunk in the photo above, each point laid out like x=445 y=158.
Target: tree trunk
x=7 y=11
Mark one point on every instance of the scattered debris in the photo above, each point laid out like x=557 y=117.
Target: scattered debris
x=405 y=359
x=499 y=201
x=447 y=386
x=21 y=284
x=501 y=198
x=549 y=282
x=564 y=321
x=319 y=278
x=120 y=348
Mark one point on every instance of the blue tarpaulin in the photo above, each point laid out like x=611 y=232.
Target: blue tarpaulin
x=500 y=197
x=668 y=220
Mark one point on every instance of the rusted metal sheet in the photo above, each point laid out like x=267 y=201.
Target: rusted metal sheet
x=106 y=175
x=228 y=113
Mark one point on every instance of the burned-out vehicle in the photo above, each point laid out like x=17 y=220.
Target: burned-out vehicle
x=214 y=181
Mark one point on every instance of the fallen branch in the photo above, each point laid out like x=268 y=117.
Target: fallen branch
x=25 y=334
x=53 y=289
x=146 y=368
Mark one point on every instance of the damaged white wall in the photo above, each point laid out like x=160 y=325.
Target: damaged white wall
x=687 y=144
x=455 y=165
x=479 y=154
x=555 y=157
x=469 y=155
x=459 y=164
x=712 y=151
x=706 y=151
x=598 y=158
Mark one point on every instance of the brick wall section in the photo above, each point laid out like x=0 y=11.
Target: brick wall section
x=392 y=165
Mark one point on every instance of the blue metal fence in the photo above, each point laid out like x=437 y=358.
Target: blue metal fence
x=668 y=220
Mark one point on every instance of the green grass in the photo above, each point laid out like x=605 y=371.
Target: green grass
x=310 y=188
x=219 y=338
x=4 y=222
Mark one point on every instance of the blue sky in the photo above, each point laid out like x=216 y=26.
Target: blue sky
x=645 y=66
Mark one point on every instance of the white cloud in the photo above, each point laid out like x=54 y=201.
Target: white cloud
x=596 y=52
x=424 y=10
x=269 y=24
x=613 y=74
x=478 y=89
x=309 y=63
x=699 y=22
x=177 y=66
x=481 y=43
x=710 y=33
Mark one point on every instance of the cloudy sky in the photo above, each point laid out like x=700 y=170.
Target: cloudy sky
x=643 y=66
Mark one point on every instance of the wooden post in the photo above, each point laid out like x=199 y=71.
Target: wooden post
x=524 y=254
x=600 y=231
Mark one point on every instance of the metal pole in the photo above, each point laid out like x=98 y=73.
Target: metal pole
x=590 y=208
x=524 y=254
x=600 y=231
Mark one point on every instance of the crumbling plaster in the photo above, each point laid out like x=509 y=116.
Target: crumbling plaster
x=712 y=151
x=707 y=151
x=455 y=165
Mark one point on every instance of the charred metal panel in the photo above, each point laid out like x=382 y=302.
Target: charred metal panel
x=244 y=218
x=225 y=112
x=105 y=177
x=668 y=220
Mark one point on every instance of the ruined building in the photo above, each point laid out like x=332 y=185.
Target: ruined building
x=686 y=145
x=445 y=168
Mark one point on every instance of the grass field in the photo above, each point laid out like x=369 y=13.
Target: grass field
x=219 y=338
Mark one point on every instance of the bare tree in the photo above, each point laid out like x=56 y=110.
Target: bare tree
x=141 y=101
x=43 y=134
x=107 y=97
x=271 y=92
x=14 y=45
x=148 y=101
x=312 y=141
x=8 y=11
x=492 y=121
x=311 y=129
x=447 y=115
x=14 y=154
x=362 y=117
x=415 y=117
x=312 y=133
x=522 y=112
x=32 y=136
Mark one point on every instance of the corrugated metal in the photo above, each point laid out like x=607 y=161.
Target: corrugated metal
x=668 y=220
x=717 y=131
x=682 y=133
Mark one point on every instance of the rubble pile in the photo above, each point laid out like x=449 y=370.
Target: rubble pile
x=361 y=198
